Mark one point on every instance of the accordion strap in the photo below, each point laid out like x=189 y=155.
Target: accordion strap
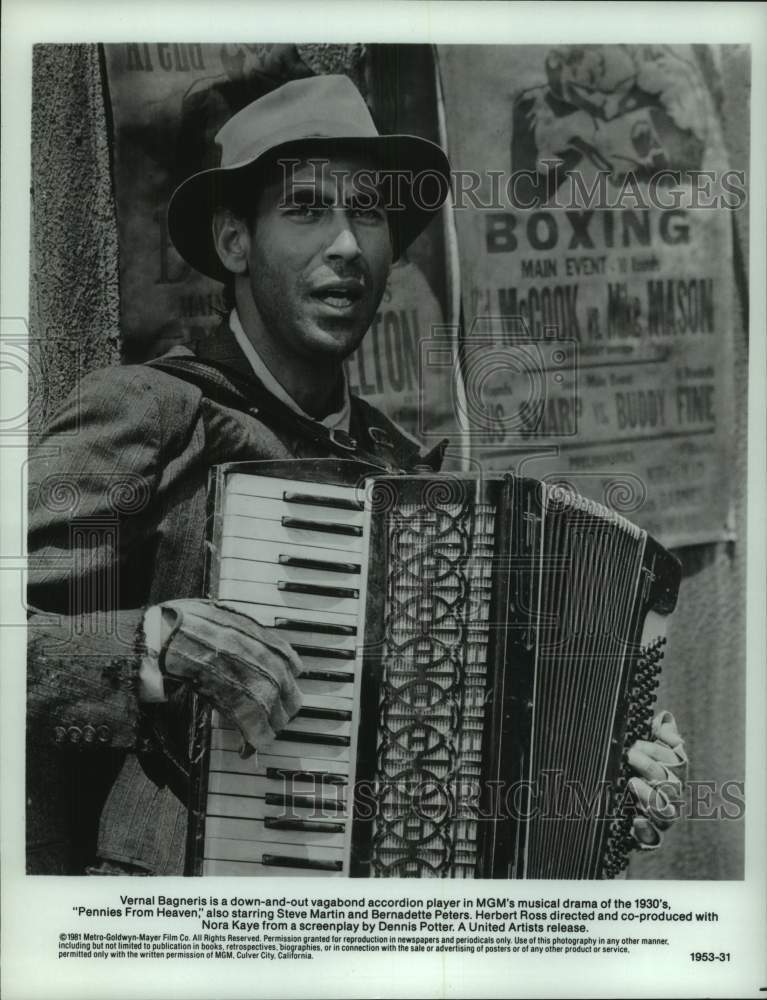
x=246 y=393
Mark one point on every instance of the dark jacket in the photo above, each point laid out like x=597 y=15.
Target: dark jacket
x=117 y=523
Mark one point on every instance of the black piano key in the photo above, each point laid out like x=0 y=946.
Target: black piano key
x=331 y=676
x=282 y=861
x=322 y=777
x=340 y=503
x=321 y=739
x=324 y=564
x=296 y=625
x=318 y=589
x=303 y=802
x=325 y=652
x=317 y=712
x=303 y=825
x=331 y=527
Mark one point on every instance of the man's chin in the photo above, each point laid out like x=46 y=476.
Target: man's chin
x=333 y=338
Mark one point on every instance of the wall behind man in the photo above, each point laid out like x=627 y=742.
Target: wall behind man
x=705 y=680
x=74 y=311
x=74 y=302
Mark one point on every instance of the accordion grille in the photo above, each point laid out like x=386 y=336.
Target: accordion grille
x=431 y=705
x=591 y=560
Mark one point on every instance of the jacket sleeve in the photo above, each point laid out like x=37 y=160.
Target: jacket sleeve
x=81 y=679
x=92 y=526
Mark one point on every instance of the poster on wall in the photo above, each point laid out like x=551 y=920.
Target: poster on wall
x=168 y=101
x=598 y=332
x=594 y=236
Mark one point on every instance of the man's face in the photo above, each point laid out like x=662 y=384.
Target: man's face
x=319 y=257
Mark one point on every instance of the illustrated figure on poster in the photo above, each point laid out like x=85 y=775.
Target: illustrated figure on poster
x=615 y=110
x=121 y=635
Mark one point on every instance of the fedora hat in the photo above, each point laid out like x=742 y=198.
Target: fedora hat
x=318 y=116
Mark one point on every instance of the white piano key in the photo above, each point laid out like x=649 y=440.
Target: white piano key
x=315 y=700
x=247 y=829
x=244 y=782
x=317 y=691
x=330 y=798
x=311 y=701
x=271 y=486
x=324 y=639
x=320 y=727
x=223 y=800
x=232 y=763
x=329 y=663
x=259 y=809
x=323 y=727
x=235 y=806
x=246 y=850
x=239 y=868
x=287 y=748
x=274 y=759
x=266 y=550
x=300 y=723
x=295 y=755
x=264 y=593
x=268 y=615
x=249 y=527
x=230 y=739
x=238 y=568
x=231 y=784
x=255 y=807
x=272 y=509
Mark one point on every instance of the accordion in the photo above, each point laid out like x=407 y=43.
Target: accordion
x=478 y=656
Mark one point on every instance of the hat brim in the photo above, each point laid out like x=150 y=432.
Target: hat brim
x=422 y=183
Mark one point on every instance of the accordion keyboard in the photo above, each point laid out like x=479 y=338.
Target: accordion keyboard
x=294 y=556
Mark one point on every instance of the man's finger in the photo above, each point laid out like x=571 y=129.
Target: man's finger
x=664 y=728
x=657 y=751
x=646 y=766
x=645 y=833
x=652 y=801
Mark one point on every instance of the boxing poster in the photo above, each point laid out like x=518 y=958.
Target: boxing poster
x=595 y=244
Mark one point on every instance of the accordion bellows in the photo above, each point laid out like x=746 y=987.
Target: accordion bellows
x=479 y=654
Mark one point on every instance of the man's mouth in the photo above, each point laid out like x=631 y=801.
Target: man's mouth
x=339 y=294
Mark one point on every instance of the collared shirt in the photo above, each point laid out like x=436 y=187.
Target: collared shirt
x=339 y=420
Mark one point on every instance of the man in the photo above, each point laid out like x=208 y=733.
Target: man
x=301 y=224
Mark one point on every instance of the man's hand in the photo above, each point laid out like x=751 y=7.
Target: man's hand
x=246 y=670
x=660 y=770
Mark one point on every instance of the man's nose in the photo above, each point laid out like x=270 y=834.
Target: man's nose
x=344 y=245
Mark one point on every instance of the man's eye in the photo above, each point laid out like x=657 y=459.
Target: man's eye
x=368 y=214
x=304 y=210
